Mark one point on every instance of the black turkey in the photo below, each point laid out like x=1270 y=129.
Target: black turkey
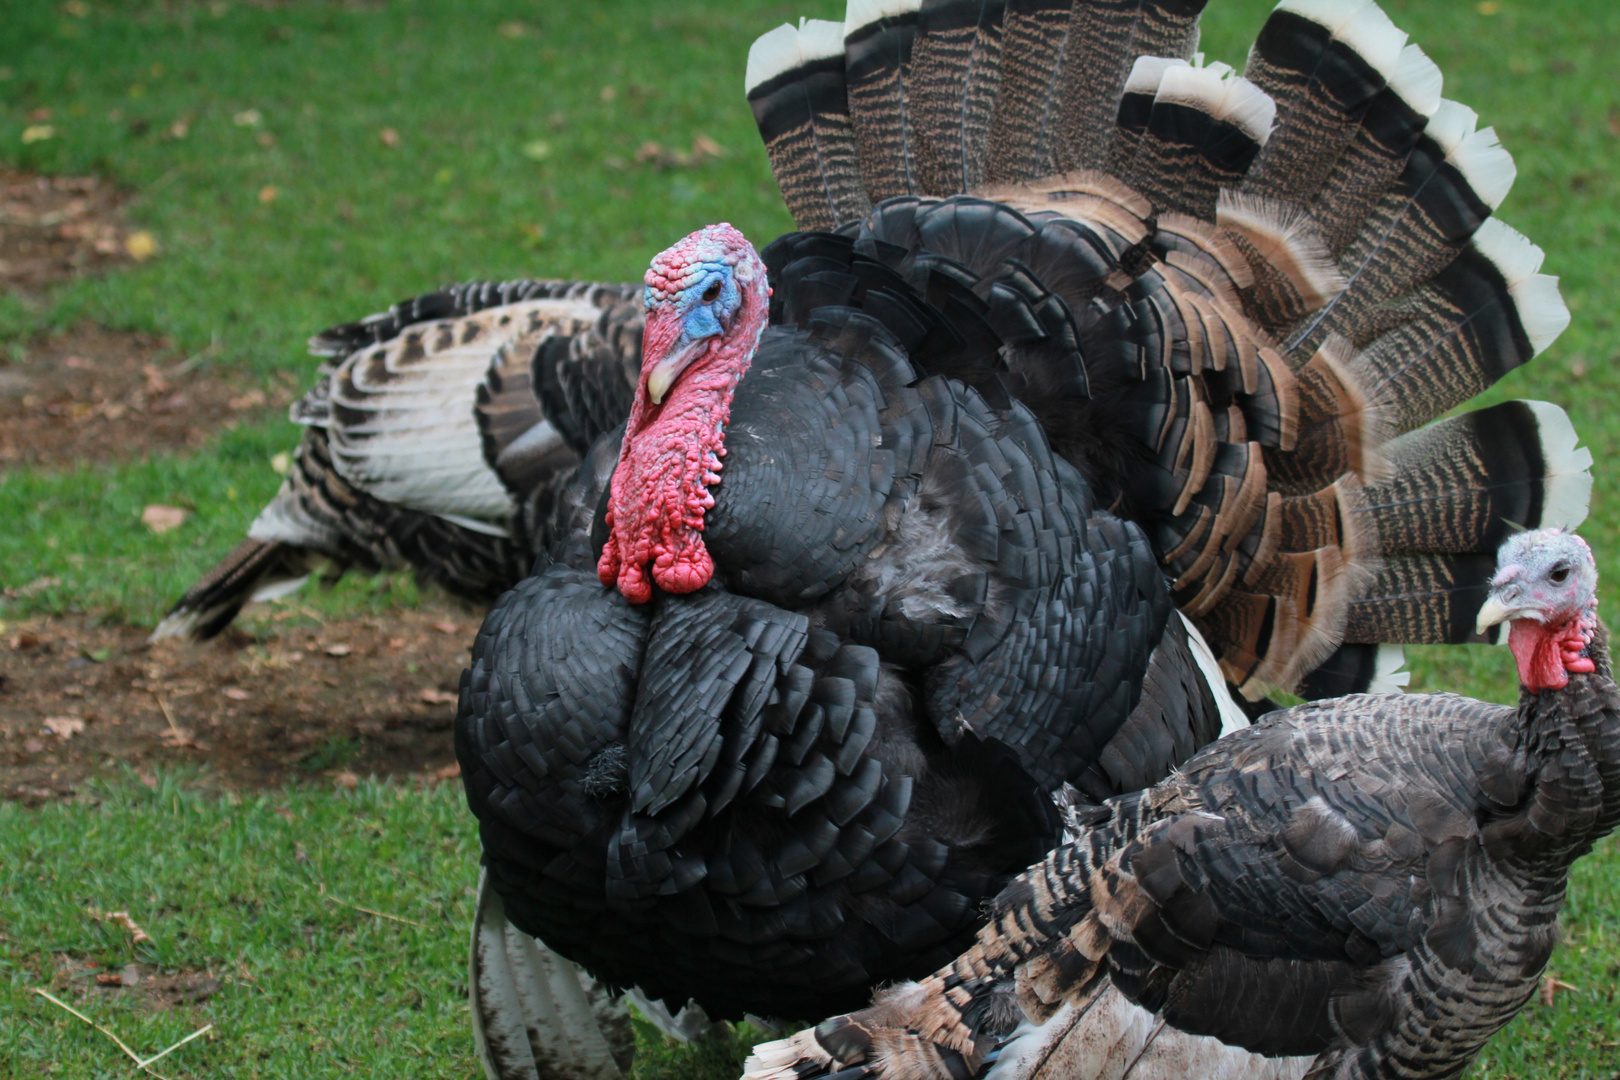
x=878 y=583
x=1348 y=890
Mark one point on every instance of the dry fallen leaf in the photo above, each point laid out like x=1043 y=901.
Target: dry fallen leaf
x=339 y=649
x=1487 y=7
x=346 y=780
x=609 y=93
x=446 y=627
x=448 y=772
x=268 y=193
x=281 y=464
x=512 y=28
x=396 y=643
x=64 y=727
x=34 y=746
x=34 y=133
x=179 y=129
x=1550 y=985
x=538 y=150
x=140 y=245
x=161 y=519
x=236 y=693
x=388 y=137
x=434 y=696
x=137 y=936
x=247 y=118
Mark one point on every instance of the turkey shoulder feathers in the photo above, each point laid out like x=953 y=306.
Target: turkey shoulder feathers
x=435 y=438
x=1225 y=296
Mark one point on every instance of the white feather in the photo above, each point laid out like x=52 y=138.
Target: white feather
x=1360 y=24
x=1541 y=309
x=1388 y=676
x=1232 y=717
x=1567 y=496
x=1417 y=80
x=860 y=13
x=1149 y=71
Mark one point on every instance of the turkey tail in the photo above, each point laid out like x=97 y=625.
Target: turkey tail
x=1233 y=301
x=800 y=100
x=254 y=570
x=535 y=1014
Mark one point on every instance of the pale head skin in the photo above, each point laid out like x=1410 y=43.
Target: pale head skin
x=1545 y=589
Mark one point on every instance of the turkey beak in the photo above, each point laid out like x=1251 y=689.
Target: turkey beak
x=1495 y=611
x=676 y=342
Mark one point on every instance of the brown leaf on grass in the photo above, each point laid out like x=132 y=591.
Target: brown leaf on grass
x=39 y=115
x=448 y=772
x=137 y=936
x=388 y=137
x=161 y=519
x=1614 y=121
x=64 y=727
x=268 y=193
x=1550 y=985
x=346 y=780
x=38 y=585
x=434 y=696
x=512 y=28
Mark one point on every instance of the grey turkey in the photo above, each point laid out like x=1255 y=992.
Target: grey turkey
x=1079 y=344
x=1359 y=889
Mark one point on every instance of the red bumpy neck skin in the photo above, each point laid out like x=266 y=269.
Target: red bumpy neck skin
x=672 y=450
x=1549 y=654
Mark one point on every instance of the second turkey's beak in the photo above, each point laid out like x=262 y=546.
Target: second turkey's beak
x=672 y=343
x=1495 y=611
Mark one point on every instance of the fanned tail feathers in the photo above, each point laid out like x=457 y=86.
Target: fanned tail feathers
x=1276 y=280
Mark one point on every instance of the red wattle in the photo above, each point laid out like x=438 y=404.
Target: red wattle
x=1548 y=655
x=671 y=453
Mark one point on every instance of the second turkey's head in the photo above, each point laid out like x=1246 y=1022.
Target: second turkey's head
x=1545 y=589
x=707 y=301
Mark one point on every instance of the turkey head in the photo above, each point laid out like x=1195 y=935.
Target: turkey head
x=1545 y=588
x=707 y=301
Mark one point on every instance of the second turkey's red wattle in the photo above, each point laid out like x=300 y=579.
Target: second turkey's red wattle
x=707 y=303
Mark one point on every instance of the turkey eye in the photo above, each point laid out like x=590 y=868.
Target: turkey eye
x=712 y=293
x=1559 y=575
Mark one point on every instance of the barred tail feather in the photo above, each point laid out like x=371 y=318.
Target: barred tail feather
x=254 y=570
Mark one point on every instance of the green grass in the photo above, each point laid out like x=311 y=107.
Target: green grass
x=512 y=160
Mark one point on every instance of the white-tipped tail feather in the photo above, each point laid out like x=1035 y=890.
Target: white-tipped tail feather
x=1359 y=24
x=789 y=47
x=1541 y=309
x=1417 y=80
x=861 y=13
x=535 y=1014
x=1233 y=718
x=1389 y=674
x=1567 y=495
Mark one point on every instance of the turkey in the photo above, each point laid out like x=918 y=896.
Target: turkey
x=1098 y=378
x=1361 y=888
x=434 y=436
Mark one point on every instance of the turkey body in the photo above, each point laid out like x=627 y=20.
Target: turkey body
x=1361 y=888
x=771 y=793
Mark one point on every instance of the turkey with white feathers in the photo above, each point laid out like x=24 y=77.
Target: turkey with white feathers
x=1359 y=889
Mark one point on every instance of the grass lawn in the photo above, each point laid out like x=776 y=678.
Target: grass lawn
x=305 y=163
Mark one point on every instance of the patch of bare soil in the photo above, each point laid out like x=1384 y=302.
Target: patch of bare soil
x=325 y=703
x=94 y=394
x=156 y=988
x=57 y=227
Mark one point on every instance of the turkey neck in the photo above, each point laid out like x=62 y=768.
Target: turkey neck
x=1561 y=755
